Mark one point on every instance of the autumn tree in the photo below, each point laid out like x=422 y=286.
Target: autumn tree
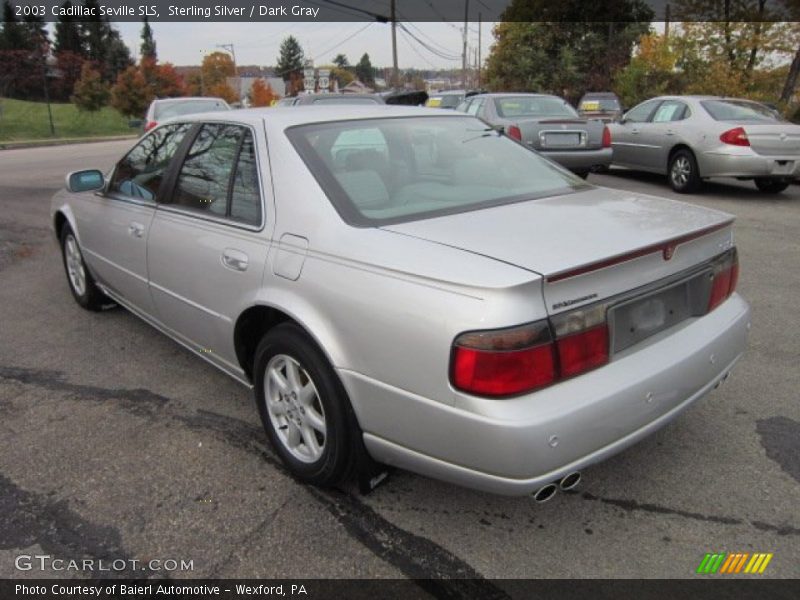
x=342 y=75
x=224 y=91
x=651 y=71
x=130 y=95
x=91 y=93
x=261 y=94
x=162 y=81
x=216 y=68
x=290 y=58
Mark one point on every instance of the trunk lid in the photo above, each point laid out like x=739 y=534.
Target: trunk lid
x=587 y=245
x=561 y=133
x=779 y=139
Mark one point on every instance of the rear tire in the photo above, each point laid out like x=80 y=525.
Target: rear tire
x=683 y=174
x=303 y=406
x=771 y=186
x=80 y=280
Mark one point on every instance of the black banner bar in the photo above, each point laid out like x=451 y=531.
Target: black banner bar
x=705 y=587
x=407 y=10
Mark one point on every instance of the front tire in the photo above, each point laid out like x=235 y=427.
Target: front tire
x=683 y=174
x=303 y=406
x=80 y=280
x=771 y=186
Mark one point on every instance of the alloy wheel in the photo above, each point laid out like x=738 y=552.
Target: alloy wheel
x=75 y=269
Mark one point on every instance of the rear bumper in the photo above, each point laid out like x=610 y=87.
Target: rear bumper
x=580 y=160
x=515 y=446
x=746 y=163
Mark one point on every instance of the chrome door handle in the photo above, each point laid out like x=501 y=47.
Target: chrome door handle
x=234 y=259
x=634 y=131
x=669 y=132
x=136 y=229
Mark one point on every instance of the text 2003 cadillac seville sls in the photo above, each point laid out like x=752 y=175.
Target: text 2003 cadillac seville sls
x=411 y=283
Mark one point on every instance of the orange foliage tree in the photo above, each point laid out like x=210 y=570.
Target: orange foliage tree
x=261 y=94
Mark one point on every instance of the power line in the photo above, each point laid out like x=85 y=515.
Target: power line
x=345 y=40
x=429 y=48
x=376 y=16
x=417 y=52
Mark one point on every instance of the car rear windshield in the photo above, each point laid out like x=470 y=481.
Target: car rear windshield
x=740 y=110
x=176 y=109
x=393 y=170
x=533 y=106
x=605 y=103
x=445 y=100
x=344 y=100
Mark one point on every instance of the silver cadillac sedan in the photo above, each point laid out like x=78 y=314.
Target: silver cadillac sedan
x=693 y=138
x=406 y=286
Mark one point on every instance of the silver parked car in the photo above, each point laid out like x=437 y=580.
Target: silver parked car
x=549 y=125
x=404 y=285
x=693 y=138
x=162 y=109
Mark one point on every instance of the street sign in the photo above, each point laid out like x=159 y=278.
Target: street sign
x=308 y=73
x=308 y=84
x=324 y=82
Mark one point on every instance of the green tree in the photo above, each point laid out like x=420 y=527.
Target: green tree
x=14 y=35
x=290 y=59
x=68 y=34
x=365 y=72
x=90 y=93
x=103 y=44
x=341 y=61
x=567 y=48
x=148 y=47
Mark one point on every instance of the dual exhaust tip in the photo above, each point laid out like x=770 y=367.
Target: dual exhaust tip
x=546 y=492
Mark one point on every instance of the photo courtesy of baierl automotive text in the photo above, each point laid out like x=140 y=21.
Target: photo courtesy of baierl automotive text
x=399 y=299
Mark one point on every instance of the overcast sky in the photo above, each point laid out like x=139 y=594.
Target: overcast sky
x=258 y=43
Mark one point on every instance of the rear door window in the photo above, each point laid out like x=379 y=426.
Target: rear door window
x=642 y=112
x=219 y=175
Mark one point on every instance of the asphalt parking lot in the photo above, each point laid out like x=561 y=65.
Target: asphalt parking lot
x=116 y=443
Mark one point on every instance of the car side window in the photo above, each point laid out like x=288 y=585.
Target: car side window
x=140 y=173
x=670 y=110
x=219 y=174
x=474 y=107
x=205 y=175
x=641 y=113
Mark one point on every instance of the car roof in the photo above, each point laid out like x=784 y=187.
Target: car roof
x=449 y=93
x=513 y=95
x=185 y=98
x=288 y=116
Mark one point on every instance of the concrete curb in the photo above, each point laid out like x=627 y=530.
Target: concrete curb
x=63 y=141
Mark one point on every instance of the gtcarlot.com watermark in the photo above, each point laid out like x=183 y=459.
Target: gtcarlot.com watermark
x=45 y=562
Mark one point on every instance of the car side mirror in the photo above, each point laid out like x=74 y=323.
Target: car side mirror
x=136 y=123
x=501 y=129
x=622 y=120
x=85 y=181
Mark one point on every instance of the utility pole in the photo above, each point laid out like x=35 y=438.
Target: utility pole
x=395 y=73
x=480 y=27
x=464 y=51
x=666 y=22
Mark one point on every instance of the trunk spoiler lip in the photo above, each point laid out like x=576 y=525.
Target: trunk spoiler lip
x=666 y=248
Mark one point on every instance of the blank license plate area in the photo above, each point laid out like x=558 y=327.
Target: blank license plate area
x=638 y=319
x=562 y=140
x=783 y=167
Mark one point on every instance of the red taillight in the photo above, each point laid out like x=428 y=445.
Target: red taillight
x=735 y=137
x=583 y=351
x=606 y=137
x=504 y=362
x=726 y=276
x=514 y=132
x=513 y=361
x=149 y=125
